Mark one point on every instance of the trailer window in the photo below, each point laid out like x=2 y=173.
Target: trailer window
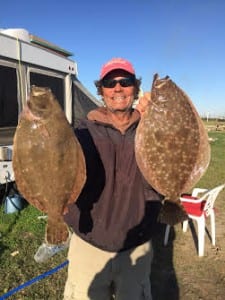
x=54 y=83
x=8 y=97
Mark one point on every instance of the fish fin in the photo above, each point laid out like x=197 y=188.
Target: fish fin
x=172 y=213
x=56 y=231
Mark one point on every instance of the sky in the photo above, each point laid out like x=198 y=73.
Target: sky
x=184 y=39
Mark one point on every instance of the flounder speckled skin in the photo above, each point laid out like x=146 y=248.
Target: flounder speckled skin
x=48 y=161
x=171 y=146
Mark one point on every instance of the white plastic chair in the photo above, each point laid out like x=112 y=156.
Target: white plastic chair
x=199 y=209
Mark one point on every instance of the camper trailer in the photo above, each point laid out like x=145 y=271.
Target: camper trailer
x=27 y=60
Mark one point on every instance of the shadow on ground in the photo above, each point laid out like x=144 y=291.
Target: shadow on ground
x=163 y=276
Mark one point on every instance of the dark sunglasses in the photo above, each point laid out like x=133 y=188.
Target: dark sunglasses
x=124 y=82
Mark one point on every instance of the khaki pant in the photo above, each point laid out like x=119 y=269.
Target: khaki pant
x=100 y=275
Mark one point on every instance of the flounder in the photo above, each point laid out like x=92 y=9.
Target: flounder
x=171 y=146
x=48 y=161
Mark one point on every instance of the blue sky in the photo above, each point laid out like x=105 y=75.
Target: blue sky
x=184 y=39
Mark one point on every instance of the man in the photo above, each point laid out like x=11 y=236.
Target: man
x=116 y=213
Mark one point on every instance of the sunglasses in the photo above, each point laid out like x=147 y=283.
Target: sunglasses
x=124 y=82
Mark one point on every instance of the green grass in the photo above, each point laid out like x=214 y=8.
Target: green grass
x=24 y=232
x=215 y=173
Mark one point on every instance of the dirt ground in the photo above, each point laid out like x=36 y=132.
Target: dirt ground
x=179 y=273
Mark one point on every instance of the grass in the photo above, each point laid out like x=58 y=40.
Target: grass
x=24 y=232
x=215 y=173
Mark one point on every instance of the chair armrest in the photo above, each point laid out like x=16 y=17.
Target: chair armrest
x=197 y=191
x=191 y=200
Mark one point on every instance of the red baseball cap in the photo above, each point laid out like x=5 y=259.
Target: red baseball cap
x=114 y=64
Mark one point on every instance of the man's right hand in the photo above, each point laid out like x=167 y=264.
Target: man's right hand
x=143 y=102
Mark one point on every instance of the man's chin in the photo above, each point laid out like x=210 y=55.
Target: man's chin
x=122 y=109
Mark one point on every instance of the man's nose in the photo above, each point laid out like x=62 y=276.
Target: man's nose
x=117 y=86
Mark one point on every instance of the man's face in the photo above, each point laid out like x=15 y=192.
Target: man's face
x=118 y=96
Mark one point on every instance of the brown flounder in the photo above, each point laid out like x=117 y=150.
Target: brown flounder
x=171 y=146
x=48 y=161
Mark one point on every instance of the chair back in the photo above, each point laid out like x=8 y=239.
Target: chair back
x=210 y=198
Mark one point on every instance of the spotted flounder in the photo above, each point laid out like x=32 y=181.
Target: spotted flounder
x=48 y=161
x=171 y=146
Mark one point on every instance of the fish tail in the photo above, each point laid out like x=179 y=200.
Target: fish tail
x=56 y=232
x=172 y=213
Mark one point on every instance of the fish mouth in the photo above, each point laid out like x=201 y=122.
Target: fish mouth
x=28 y=114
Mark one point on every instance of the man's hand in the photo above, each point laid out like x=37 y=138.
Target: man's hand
x=143 y=102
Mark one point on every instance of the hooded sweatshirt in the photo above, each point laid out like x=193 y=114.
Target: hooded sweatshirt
x=117 y=209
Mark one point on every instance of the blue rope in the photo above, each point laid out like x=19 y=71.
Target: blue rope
x=50 y=272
